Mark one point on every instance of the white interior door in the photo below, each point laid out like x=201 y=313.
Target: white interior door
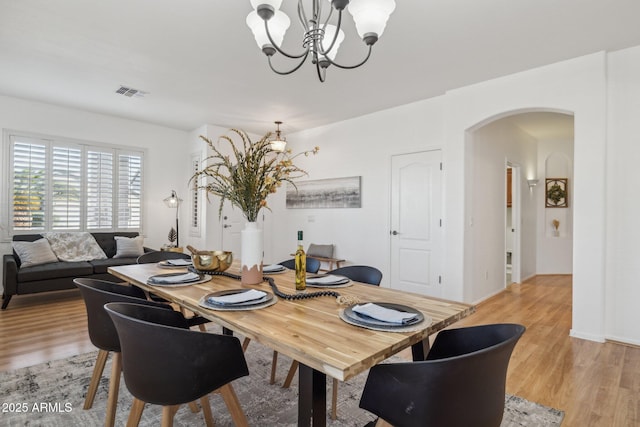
x=416 y=229
x=232 y=224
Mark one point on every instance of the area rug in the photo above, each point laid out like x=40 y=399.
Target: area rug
x=52 y=394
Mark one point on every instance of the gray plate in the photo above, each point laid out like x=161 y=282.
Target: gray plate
x=368 y=321
x=268 y=297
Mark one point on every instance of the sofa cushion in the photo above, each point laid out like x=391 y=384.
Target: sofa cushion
x=34 y=253
x=108 y=243
x=54 y=270
x=128 y=247
x=100 y=266
x=74 y=246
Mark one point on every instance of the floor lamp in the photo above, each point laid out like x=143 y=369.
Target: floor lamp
x=173 y=201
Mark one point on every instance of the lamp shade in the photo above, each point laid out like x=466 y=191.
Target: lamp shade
x=278 y=145
x=278 y=25
x=173 y=201
x=371 y=16
x=329 y=34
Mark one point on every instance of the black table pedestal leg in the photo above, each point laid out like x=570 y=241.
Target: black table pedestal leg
x=312 y=397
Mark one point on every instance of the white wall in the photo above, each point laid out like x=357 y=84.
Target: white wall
x=555 y=253
x=359 y=147
x=601 y=90
x=579 y=87
x=623 y=196
x=165 y=157
x=494 y=144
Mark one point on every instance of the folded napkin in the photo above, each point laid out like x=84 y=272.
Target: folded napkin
x=384 y=314
x=326 y=279
x=271 y=268
x=240 y=297
x=174 y=279
x=179 y=262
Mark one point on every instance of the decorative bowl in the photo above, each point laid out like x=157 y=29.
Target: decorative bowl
x=212 y=260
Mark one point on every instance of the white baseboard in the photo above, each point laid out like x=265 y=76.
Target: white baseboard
x=586 y=336
x=623 y=340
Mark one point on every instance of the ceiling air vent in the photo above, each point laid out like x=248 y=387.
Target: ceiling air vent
x=130 y=92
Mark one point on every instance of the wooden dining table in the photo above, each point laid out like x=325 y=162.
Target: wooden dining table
x=310 y=330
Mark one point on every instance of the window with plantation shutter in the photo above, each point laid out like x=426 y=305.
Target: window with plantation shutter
x=66 y=186
x=62 y=185
x=29 y=185
x=100 y=181
x=194 y=223
x=129 y=190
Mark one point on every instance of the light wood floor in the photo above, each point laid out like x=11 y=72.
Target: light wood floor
x=595 y=384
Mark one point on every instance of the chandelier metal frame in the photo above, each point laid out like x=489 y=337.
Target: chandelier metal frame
x=314 y=26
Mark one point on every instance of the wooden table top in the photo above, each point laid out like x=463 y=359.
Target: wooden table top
x=308 y=330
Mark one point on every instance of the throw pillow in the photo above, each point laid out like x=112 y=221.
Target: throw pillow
x=129 y=246
x=74 y=246
x=34 y=253
x=322 y=251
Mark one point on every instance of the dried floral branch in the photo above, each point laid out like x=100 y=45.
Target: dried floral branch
x=250 y=175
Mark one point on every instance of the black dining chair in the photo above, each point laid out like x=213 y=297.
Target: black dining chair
x=357 y=273
x=96 y=293
x=157 y=256
x=313 y=265
x=194 y=365
x=461 y=383
x=360 y=273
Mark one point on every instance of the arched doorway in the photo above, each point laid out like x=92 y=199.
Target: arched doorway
x=527 y=140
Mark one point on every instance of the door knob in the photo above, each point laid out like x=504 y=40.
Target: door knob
x=226 y=226
x=395 y=233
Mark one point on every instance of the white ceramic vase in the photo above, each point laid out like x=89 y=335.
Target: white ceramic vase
x=251 y=250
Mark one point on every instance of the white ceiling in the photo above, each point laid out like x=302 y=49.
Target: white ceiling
x=200 y=63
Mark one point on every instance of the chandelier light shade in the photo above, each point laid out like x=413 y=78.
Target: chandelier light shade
x=329 y=35
x=279 y=143
x=278 y=26
x=320 y=40
x=371 y=16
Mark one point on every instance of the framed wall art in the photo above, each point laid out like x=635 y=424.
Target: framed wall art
x=325 y=193
x=557 y=193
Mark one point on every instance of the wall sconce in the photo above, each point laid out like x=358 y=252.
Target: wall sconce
x=532 y=182
x=173 y=201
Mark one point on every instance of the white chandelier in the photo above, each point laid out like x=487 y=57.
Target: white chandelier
x=321 y=40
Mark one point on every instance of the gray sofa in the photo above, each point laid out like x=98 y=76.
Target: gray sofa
x=58 y=275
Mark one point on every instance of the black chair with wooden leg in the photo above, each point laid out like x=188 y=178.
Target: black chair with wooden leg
x=103 y=335
x=313 y=265
x=170 y=375
x=461 y=383
x=158 y=256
